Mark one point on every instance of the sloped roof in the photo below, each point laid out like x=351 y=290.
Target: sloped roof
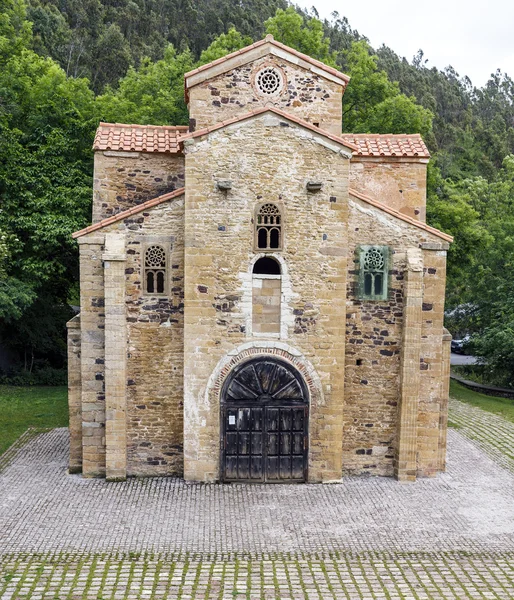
x=166 y=139
x=278 y=112
x=399 y=215
x=138 y=138
x=128 y=213
x=388 y=145
x=268 y=40
x=177 y=193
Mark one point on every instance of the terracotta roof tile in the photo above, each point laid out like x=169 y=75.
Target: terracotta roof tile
x=138 y=138
x=388 y=145
x=278 y=112
x=400 y=215
x=128 y=213
x=269 y=39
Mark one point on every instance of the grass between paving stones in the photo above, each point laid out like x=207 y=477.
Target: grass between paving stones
x=25 y=407
x=493 y=404
x=350 y=576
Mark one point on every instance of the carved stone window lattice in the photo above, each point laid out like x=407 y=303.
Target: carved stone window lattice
x=155 y=270
x=269 y=81
x=269 y=227
x=373 y=272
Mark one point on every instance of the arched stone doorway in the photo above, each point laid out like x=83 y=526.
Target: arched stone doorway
x=264 y=417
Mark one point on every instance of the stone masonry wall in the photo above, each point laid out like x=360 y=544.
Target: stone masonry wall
x=397 y=182
x=92 y=355
x=373 y=349
x=305 y=95
x=266 y=158
x=155 y=344
x=266 y=304
x=125 y=179
x=433 y=375
x=74 y=395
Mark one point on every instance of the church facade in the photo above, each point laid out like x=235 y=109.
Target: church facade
x=261 y=298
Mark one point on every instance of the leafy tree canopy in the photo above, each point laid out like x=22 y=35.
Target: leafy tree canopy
x=134 y=54
x=304 y=34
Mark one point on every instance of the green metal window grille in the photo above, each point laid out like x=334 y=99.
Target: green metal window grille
x=373 y=272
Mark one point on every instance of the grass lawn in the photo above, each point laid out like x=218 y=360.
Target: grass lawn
x=24 y=407
x=500 y=406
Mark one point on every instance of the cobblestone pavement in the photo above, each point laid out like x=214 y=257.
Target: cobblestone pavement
x=63 y=536
x=335 y=575
x=489 y=432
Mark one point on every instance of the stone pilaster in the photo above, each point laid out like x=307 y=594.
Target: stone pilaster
x=115 y=357
x=92 y=355
x=74 y=395
x=445 y=394
x=405 y=462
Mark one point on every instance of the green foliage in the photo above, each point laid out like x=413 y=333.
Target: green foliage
x=111 y=57
x=495 y=343
x=302 y=33
x=45 y=194
x=100 y=39
x=225 y=44
x=504 y=407
x=374 y=104
x=40 y=376
x=15 y=30
x=152 y=94
x=135 y=53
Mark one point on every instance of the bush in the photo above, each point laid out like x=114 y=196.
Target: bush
x=42 y=376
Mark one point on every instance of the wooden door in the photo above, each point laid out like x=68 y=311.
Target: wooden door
x=264 y=424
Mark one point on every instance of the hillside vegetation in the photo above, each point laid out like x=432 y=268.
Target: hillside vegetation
x=67 y=64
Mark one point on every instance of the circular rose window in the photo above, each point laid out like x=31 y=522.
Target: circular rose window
x=269 y=81
x=374 y=260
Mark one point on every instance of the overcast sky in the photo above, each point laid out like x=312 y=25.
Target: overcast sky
x=476 y=38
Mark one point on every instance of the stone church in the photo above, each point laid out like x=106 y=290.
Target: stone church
x=261 y=298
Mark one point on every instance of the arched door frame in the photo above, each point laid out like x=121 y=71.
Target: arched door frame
x=264 y=422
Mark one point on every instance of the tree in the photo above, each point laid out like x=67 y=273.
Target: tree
x=15 y=30
x=45 y=182
x=111 y=57
x=373 y=104
x=305 y=34
x=224 y=44
x=152 y=94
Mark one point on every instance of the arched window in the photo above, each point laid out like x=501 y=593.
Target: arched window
x=268 y=224
x=266 y=266
x=155 y=270
x=373 y=272
x=266 y=296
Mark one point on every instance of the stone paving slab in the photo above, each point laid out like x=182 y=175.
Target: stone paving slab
x=489 y=432
x=351 y=576
x=63 y=536
x=43 y=509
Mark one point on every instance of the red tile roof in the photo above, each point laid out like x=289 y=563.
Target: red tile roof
x=389 y=145
x=167 y=139
x=269 y=39
x=128 y=213
x=138 y=138
x=278 y=112
x=400 y=215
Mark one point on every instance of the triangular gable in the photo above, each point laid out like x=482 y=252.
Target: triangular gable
x=129 y=212
x=276 y=111
x=399 y=215
x=255 y=51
